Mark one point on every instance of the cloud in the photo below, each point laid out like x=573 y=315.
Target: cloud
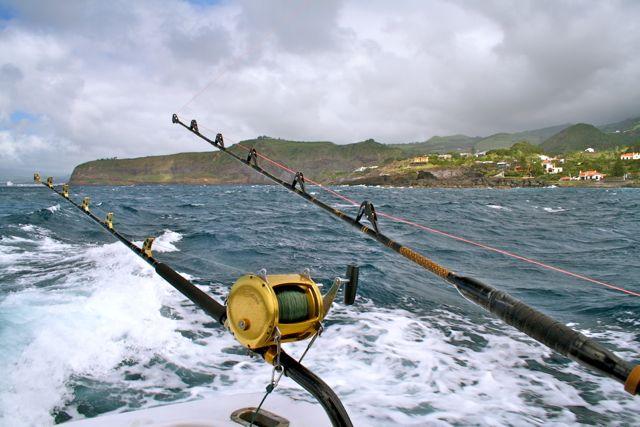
x=104 y=77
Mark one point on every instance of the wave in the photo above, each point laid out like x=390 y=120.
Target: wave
x=88 y=328
x=165 y=242
x=191 y=205
x=498 y=207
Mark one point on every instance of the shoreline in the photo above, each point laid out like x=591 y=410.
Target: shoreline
x=501 y=184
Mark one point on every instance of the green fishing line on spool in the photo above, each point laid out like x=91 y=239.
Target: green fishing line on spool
x=293 y=305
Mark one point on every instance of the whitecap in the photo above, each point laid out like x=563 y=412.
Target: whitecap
x=498 y=207
x=165 y=242
x=554 y=210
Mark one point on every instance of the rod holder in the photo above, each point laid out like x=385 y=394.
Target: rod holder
x=353 y=273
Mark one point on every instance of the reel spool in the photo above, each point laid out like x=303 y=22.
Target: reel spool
x=264 y=310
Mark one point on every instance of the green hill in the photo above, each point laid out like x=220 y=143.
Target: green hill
x=581 y=136
x=439 y=144
x=506 y=140
x=628 y=125
x=321 y=160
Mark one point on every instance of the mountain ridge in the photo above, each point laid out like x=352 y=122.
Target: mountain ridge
x=327 y=161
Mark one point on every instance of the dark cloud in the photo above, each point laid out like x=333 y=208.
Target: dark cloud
x=104 y=77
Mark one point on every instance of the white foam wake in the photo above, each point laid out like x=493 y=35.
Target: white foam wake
x=109 y=318
x=165 y=242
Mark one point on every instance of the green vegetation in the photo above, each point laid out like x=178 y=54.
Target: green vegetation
x=440 y=144
x=618 y=168
x=328 y=162
x=518 y=149
x=577 y=138
x=506 y=140
x=582 y=136
x=628 y=125
x=321 y=160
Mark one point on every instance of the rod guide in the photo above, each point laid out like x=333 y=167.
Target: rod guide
x=146 y=247
x=109 y=220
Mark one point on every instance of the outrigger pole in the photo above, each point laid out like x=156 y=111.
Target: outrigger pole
x=292 y=368
x=537 y=325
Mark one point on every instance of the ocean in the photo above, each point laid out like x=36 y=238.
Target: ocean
x=87 y=328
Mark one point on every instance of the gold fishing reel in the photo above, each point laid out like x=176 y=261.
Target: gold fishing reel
x=263 y=311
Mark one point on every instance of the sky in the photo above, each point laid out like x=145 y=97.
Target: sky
x=81 y=80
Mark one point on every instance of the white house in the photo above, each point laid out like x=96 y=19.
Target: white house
x=550 y=167
x=630 y=156
x=444 y=156
x=593 y=175
x=364 y=168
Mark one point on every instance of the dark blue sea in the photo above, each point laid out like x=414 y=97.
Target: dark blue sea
x=87 y=328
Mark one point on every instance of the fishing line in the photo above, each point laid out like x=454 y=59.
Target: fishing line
x=450 y=235
x=205 y=88
x=250 y=52
x=546 y=330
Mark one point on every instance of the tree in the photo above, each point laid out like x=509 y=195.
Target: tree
x=526 y=147
x=618 y=168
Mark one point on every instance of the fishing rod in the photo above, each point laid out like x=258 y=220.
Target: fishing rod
x=289 y=308
x=537 y=325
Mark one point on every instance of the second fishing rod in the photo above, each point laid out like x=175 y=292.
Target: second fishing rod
x=532 y=322
x=237 y=307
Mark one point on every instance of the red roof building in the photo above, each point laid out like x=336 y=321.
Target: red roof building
x=593 y=175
